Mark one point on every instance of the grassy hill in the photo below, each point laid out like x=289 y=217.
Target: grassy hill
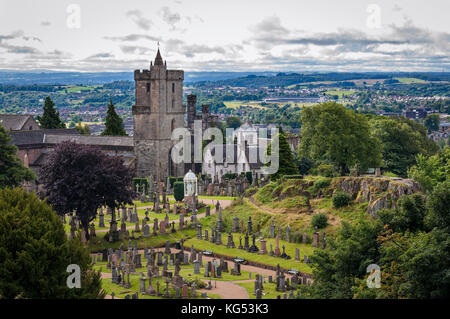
x=294 y=202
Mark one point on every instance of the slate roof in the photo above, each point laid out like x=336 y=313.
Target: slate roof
x=100 y=140
x=37 y=136
x=13 y=122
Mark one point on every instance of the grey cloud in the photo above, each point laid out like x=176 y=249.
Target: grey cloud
x=45 y=23
x=132 y=37
x=134 y=49
x=171 y=18
x=190 y=50
x=102 y=55
x=139 y=19
x=270 y=25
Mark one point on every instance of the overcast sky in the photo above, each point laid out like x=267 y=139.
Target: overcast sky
x=226 y=35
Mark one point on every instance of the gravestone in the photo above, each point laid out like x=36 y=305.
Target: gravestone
x=196 y=267
x=101 y=222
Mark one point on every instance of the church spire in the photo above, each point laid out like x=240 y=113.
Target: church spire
x=158 y=59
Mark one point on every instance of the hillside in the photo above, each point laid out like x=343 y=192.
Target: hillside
x=294 y=202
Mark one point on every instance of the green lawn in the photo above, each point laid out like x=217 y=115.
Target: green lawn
x=305 y=249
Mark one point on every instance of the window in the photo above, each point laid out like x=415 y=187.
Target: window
x=148 y=87
x=173 y=87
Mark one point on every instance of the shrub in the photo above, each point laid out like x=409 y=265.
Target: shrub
x=178 y=191
x=321 y=183
x=249 y=177
x=341 y=199
x=390 y=174
x=319 y=220
x=229 y=175
x=326 y=170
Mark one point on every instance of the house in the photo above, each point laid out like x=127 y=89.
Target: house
x=18 y=122
x=235 y=159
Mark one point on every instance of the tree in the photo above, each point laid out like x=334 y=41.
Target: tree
x=50 y=118
x=83 y=129
x=335 y=134
x=80 y=178
x=35 y=252
x=335 y=269
x=233 y=122
x=114 y=123
x=431 y=170
x=12 y=171
x=178 y=191
x=402 y=140
x=432 y=122
x=286 y=158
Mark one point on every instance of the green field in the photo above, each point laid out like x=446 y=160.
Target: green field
x=340 y=93
x=410 y=80
x=77 y=88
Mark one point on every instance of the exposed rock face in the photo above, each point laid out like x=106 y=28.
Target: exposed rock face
x=379 y=192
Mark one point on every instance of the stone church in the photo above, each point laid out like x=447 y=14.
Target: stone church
x=158 y=111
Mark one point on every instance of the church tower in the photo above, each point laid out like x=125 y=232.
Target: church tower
x=158 y=111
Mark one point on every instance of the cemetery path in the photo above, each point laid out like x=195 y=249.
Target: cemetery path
x=224 y=203
x=252 y=201
x=226 y=290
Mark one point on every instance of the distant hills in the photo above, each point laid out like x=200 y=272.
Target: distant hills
x=245 y=79
x=90 y=78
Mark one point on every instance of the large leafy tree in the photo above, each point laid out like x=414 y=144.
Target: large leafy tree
x=50 y=118
x=12 y=171
x=402 y=141
x=431 y=170
x=35 y=252
x=335 y=134
x=114 y=123
x=233 y=122
x=432 y=122
x=80 y=178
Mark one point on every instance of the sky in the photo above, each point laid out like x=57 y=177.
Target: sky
x=231 y=35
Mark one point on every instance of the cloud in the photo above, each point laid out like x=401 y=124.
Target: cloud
x=135 y=49
x=46 y=23
x=102 y=55
x=191 y=50
x=169 y=17
x=137 y=17
x=400 y=45
x=132 y=37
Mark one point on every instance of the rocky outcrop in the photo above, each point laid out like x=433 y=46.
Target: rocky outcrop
x=379 y=192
